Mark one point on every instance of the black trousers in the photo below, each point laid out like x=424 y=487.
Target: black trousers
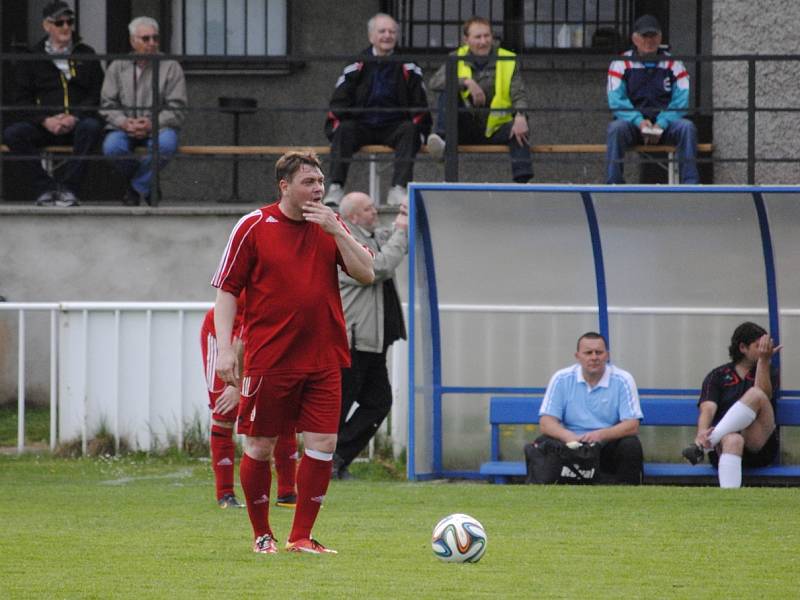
x=365 y=383
x=403 y=136
x=621 y=461
x=473 y=131
x=25 y=138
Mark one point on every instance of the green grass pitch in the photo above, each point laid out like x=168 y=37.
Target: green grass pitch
x=149 y=528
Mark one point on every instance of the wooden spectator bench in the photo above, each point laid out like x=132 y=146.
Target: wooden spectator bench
x=373 y=151
x=661 y=408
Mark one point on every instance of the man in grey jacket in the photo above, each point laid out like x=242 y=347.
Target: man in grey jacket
x=374 y=321
x=126 y=101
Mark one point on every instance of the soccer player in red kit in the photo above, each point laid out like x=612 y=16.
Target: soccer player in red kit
x=285 y=257
x=223 y=400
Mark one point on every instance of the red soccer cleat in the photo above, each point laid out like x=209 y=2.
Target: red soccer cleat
x=265 y=544
x=309 y=546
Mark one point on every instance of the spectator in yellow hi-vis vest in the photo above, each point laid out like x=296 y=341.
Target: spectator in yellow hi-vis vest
x=493 y=88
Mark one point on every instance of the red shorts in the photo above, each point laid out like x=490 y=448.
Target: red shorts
x=215 y=385
x=279 y=403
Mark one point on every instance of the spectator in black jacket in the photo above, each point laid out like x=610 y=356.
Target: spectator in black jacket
x=58 y=99
x=382 y=85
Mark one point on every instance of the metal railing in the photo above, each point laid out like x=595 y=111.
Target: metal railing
x=529 y=62
x=73 y=382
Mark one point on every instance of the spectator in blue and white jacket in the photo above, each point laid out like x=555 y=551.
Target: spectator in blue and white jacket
x=648 y=92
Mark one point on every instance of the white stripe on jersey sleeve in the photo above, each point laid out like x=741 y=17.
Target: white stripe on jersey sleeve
x=225 y=262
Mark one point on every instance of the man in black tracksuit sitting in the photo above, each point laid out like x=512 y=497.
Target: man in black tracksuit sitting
x=380 y=85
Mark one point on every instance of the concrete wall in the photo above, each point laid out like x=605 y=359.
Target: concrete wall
x=756 y=28
x=102 y=254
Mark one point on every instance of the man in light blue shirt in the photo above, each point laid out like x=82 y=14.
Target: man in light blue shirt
x=595 y=402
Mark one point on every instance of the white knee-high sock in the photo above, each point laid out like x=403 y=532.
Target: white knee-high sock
x=738 y=417
x=730 y=471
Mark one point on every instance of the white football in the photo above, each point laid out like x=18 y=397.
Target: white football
x=459 y=538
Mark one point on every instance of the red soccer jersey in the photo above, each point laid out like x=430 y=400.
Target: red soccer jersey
x=208 y=322
x=293 y=318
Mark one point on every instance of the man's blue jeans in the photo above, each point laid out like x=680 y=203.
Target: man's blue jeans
x=139 y=172
x=623 y=134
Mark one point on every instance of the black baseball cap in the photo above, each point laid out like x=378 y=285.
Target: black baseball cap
x=646 y=24
x=53 y=10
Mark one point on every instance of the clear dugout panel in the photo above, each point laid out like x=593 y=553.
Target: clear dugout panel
x=682 y=271
x=515 y=282
x=504 y=260
x=784 y=218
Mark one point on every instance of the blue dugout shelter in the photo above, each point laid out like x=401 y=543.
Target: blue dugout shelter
x=504 y=278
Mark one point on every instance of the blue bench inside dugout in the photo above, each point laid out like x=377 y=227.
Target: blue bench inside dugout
x=670 y=409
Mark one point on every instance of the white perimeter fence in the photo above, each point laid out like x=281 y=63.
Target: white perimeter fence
x=133 y=367
x=136 y=367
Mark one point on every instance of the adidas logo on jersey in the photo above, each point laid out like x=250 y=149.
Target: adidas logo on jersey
x=271 y=219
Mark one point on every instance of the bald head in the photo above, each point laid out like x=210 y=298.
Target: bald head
x=359 y=209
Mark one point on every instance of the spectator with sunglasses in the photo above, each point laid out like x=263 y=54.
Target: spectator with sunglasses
x=127 y=105
x=57 y=99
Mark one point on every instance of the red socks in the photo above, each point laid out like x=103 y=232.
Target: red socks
x=222 y=453
x=286 y=463
x=313 y=477
x=256 y=478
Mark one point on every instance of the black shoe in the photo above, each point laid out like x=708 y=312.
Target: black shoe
x=344 y=474
x=337 y=466
x=694 y=454
x=229 y=501
x=288 y=501
x=66 y=198
x=148 y=197
x=131 y=197
x=47 y=198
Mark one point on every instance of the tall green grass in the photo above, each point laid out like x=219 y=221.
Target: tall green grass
x=37 y=425
x=139 y=527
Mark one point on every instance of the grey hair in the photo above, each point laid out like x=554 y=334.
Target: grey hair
x=347 y=206
x=142 y=21
x=371 y=22
x=349 y=203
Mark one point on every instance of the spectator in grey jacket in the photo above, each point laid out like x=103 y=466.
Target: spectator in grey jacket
x=374 y=321
x=126 y=100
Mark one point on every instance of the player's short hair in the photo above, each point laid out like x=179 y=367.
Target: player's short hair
x=475 y=20
x=746 y=333
x=288 y=164
x=591 y=335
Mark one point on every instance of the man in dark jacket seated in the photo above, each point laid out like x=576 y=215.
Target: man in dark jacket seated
x=382 y=85
x=58 y=99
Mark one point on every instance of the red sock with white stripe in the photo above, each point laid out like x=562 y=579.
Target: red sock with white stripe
x=313 y=477
x=222 y=454
x=256 y=477
x=286 y=463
